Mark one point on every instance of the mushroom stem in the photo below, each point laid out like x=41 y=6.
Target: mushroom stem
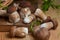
x=3 y=12
x=40 y=14
x=14 y=17
x=47 y=25
x=28 y=19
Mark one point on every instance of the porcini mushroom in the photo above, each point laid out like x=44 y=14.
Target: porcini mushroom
x=41 y=33
x=14 y=17
x=50 y=25
x=18 y=31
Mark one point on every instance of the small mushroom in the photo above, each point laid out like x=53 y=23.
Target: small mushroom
x=18 y=31
x=41 y=14
x=29 y=19
x=41 y=33
x=14 y=17
x=25 y=12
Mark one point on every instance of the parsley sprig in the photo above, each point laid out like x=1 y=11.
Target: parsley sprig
x=36 y=22
x=49 y=3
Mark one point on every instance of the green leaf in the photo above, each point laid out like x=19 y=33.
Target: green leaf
x=57 y=6
x=46 y=5
x=36 y=22
x=0 y=3
x=5 y=8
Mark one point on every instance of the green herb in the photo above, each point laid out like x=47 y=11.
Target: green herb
x=0 y=3
x=36 y=22
x=31 y=25
x=47 y=4
x=5 y=8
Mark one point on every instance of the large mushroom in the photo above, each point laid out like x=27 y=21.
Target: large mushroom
x=41 y=33
x=13 y=14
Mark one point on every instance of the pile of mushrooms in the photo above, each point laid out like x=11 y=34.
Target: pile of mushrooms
x=25 y=11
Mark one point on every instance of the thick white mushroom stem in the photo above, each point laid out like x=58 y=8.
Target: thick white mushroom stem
x=14 y=17
x=40 y=14
x=25 y=12
x=22 y=31
x=29 y=19
x=3 y=12
x=18 y=31
x=47 y=25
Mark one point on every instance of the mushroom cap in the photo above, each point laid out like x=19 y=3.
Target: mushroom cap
x=25 y=4
x=41 y=33
x=55 y=24
x=11 y=9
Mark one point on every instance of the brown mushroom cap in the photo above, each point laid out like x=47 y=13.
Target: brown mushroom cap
x=55 y=24
x=42 y=34
x=48 y=19
x=11 y=9
x=24 y=4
